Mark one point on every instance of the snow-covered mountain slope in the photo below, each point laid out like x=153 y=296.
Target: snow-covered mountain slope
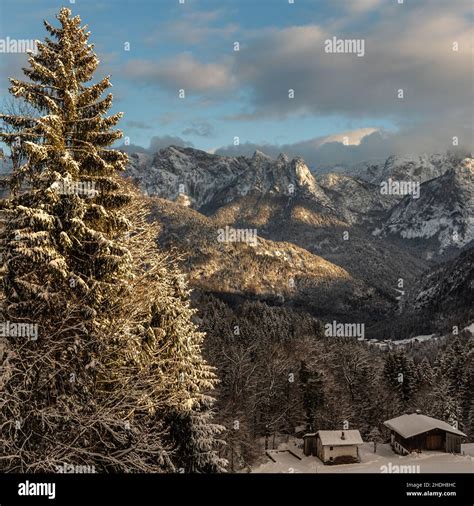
x=275 y=271
x=260 y=190
x=353 y=199
x=419 y=168
x=173 y=171
x=355 y=169
x=446 y=291
x=211 y=181
x=314 y=229
x=409 y=168
x=443 y=214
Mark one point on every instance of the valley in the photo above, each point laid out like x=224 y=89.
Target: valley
x=334 y=245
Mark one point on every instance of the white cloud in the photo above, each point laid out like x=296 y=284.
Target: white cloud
x=199 y=128
x=360 y=6
x=408 y=47
x=180 y=72
x=330 y=150
x=156 y=143
x=351 y=138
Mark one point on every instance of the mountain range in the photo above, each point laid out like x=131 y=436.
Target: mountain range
x=332 y=243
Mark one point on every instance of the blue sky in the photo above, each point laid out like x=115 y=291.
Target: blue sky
x=189 y=46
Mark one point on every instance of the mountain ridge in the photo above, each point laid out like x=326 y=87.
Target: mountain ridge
x=309 y=226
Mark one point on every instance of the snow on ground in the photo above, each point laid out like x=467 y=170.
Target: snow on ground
x=428 y=462
x=419 y=339
x=470 y=328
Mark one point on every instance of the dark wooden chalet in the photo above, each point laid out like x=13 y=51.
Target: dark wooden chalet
x=417 y=432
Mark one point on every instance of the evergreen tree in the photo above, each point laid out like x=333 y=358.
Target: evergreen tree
x=469 y=424
x=442 y=404
x=63 y=268
x=425 y=373
x=467 y=399
x=375 y=437
x=63 y=217
x=195 y=440
x=192 y=436
x=400 y=375
x=97 y=383
x=312 y=385
x=455 y=381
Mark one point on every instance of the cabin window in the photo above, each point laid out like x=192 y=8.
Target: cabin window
x=331 y=448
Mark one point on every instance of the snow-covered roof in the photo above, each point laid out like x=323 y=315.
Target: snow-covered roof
x=416 y=423
x=339 y=437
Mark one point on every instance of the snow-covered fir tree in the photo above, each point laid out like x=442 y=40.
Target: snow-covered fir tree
x=193 y=437
x=375 y=437
x=113 y=354
x=312 y=385
x=425 y=372
x=442 y=404
x=64 y=211
x=400 y=375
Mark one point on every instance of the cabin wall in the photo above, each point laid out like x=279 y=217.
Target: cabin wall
x=325 y=452
x=433 y=440
x=399 y=439
x=319 y=449
x=453 y=443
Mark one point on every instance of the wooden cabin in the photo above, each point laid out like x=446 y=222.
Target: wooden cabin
x=417 y=432
x=334 y=446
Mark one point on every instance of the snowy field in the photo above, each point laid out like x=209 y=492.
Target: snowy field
x=428 y=462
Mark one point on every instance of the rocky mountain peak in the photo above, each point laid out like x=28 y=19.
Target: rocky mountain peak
x=419 y=168
x=260 y=155
x=205 y=177
x=442 y=215
x=282 y=158
x=303 y=176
